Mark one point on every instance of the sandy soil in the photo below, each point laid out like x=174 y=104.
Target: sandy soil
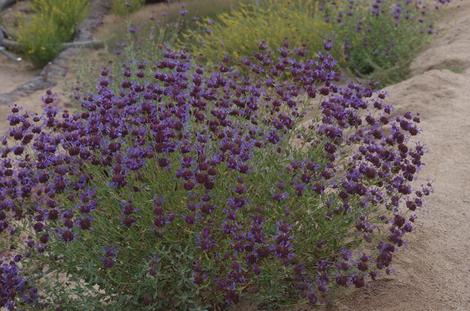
x=13 y=74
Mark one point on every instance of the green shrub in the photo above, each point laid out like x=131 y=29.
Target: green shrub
x=125 y=7
x=239 y=32
x=380 y=45
x=67 y=14
x=40 y=39
x=53 y=23
x=376 y=44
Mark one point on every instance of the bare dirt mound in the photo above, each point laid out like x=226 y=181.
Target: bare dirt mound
x=433 y=273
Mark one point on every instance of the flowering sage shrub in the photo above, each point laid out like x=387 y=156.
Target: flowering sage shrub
x=196 y=187
x=380 y=38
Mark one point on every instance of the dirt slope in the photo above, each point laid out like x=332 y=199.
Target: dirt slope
x=434 y=272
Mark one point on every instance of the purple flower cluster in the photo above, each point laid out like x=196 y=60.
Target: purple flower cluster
x=109 y=257
x=14 y=287
x=206 y=155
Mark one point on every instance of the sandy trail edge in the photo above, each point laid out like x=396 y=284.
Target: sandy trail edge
x=433 y=273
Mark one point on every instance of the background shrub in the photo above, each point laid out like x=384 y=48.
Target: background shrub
x=53 y=22
x=373 y=39
x=40 y=39
x=380 y=38
x=239 y=31
x=66 y=14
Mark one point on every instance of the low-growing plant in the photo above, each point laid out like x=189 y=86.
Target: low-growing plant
x=195 y=187
x=52 y=23
x=40 y=39
x=237 y=33
x=380 y=38
x=373 y=39
x=66 y=14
